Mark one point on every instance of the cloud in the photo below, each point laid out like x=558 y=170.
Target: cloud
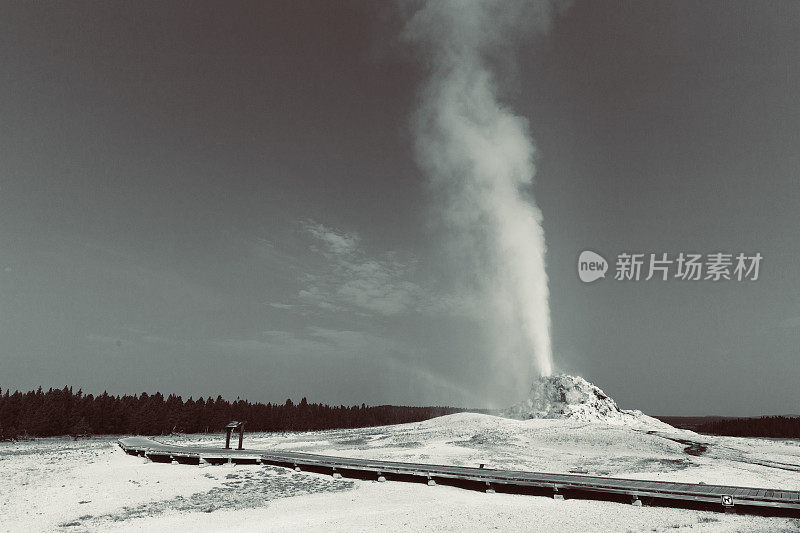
x=314 y=295
x=346 y=277
x=379 y=286
x=354 y=279
x=337 y=243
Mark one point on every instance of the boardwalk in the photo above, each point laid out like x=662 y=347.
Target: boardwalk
x=724 y=496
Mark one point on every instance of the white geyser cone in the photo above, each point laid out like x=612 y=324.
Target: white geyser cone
x=572 y=397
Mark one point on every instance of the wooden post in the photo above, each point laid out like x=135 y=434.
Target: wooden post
x=241 y=435
x=228 y=438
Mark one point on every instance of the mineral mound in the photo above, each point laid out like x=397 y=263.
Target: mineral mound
x=572 y=397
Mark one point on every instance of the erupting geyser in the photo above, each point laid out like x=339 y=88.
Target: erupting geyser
x=479 y=160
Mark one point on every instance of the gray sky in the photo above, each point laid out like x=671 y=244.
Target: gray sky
x=223 y=199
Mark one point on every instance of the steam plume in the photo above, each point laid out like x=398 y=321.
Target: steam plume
x=479 y=159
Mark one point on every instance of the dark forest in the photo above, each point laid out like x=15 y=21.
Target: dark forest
x=63 y=412
x=765 y=426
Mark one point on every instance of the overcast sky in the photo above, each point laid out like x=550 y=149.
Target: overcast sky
x=207 y=199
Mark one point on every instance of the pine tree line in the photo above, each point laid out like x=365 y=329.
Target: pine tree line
x=62 y=412
x=765 y=426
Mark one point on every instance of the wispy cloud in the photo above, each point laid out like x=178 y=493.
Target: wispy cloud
x=355 y=279
x=335 y=242
x=341 y=274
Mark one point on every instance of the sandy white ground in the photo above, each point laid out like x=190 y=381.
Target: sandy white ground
x=91 y=485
